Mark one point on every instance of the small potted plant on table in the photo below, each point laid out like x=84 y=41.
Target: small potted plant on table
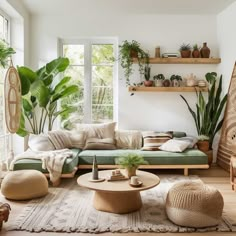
x=185 y=50
x=131 y=162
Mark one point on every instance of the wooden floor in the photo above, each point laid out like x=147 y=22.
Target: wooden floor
x=214 y=176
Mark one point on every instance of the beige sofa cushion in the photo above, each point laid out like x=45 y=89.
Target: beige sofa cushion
x=105 y=130
x=100 y=144
x=128 y=139
x=24 y=185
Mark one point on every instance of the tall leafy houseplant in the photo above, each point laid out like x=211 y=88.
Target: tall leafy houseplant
x=208 y=111
x=41 y=91
x=5 y=53
x=127 y=52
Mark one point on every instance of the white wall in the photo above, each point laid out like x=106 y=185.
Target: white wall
x=226 y=39
x=158 y=111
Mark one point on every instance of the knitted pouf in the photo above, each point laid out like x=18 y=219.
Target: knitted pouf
x=194 y=204
x=24 y=184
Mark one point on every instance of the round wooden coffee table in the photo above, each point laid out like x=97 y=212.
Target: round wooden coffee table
x=118 y=196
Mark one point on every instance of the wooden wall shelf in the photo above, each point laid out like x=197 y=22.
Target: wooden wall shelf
x=167 y=89
x=180 y=60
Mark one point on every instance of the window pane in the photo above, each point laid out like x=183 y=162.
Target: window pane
x=76 y=100
x=1 y=27
x=102 y=113
x=102 y=54
x=6 y=29
x=102 y=94
x=75 y=53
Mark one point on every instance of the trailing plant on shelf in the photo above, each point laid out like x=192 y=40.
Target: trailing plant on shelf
x=5 y=53
x=185 y=50
x=131 y=162
x=207 y=116
x=127 y=52
x=41 y=91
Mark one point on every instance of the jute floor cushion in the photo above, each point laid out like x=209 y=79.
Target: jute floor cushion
x=194 y=204
x=24 y=184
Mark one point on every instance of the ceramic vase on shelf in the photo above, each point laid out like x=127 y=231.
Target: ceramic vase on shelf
x=205 y=51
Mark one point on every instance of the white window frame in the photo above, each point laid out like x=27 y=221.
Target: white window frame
x=88 y=42
x=6 y=136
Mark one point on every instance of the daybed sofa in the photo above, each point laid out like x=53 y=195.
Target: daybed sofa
x=125 y=142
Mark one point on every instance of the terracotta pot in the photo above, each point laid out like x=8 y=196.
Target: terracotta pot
x=205 y=51
x=166 y=83
x=185 y=53
x=195 y=53
x=133 y=54
x=148 y=83
x=203 y=145
x=131 y=172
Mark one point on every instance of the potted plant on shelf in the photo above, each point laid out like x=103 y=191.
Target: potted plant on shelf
x=158 y=79
x=175 y=79
x=196 y=51
x=185 y=50
x=208 y=111
x=128 y=52
x=40 y=94
x=147 y=76
x=131 y=162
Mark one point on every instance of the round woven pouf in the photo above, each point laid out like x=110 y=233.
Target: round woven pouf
x=24 y=185
x=194 y=204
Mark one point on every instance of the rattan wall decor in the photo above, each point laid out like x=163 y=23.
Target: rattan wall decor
x=12 y=93
x=227 y=144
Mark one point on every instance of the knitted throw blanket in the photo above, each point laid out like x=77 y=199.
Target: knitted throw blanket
x=51 y=160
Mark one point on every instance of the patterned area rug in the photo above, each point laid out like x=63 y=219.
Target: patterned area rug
x=68 y=208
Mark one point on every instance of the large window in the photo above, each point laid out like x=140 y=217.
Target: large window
x=4 y=136
x=93 y=68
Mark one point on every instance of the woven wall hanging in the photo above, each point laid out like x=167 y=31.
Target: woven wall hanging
x=12 y=92
x=227 y=144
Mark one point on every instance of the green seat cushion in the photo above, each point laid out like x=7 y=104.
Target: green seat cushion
x=35 y=164
x=110 y=157
x=179 y=134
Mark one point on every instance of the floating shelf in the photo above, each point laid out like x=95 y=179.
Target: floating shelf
x=167 y=89
x=180 y=60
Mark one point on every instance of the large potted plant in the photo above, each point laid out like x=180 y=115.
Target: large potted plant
x=128 y=52
x=131 y=162
x=41 y=92
x=207 y=115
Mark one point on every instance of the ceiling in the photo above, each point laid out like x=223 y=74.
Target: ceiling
x=63 y=7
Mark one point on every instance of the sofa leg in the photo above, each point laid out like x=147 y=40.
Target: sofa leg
x=186 y=171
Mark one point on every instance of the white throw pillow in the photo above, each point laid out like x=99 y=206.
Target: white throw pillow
x=106 y=130
x=191 y=139
x=128 y=139
x=40 y=142
x=174 y=145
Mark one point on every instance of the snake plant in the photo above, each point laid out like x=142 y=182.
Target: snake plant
x=207 y=114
